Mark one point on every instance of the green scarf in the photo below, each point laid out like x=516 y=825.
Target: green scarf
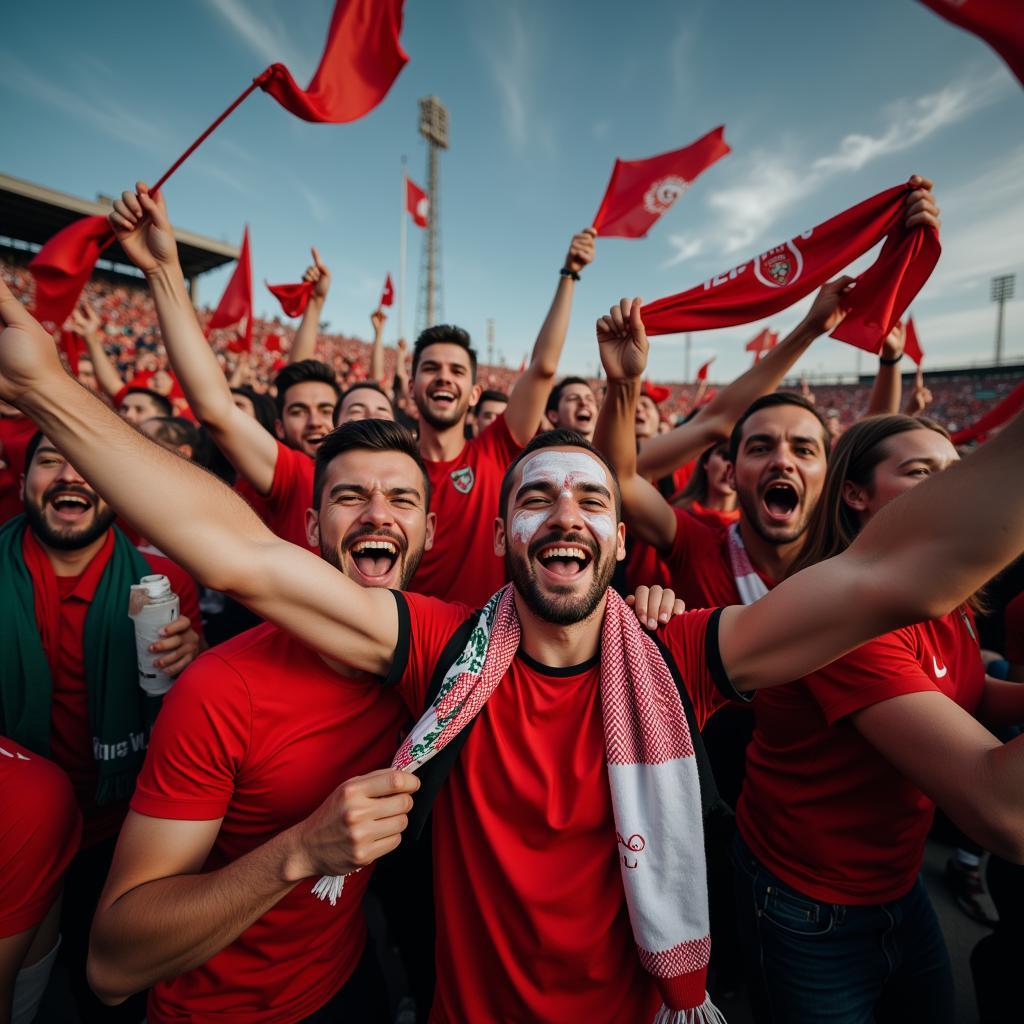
x=120 y=713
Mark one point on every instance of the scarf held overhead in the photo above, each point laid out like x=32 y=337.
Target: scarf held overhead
x=120 y=714
x=784 y=274
x=652 y=774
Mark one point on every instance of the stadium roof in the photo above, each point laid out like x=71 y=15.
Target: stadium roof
x=33 y=213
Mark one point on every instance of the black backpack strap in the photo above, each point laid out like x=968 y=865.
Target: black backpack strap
x=435 y=771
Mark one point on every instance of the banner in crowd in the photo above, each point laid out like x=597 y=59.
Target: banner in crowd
x=640 y=191
x=782 y=275
x=999 y=22
x=235 y=306
x=293 y=297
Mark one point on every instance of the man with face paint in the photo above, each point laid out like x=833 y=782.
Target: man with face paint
x=533 y=922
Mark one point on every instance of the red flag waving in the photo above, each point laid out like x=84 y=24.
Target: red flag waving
x=999 y=22
x=361 y=60
x=763 y=341
x=911 y=344
x=417 y=203
x=640 y=191
x=235 y=306
x=702 y=373
x=785 y=273
x=293 y=297
x=996 y=417
x=62 y=267
x=387 y=297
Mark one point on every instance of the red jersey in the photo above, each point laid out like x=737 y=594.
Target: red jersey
x=821 y=808
x=462 y=565
x=40 y=826
x=284 y=507
x=699 y=566
x=259 y=731
x=70 y=733
x=15 y=434
x=532 y=923
x=644 y=566
x=713 y=517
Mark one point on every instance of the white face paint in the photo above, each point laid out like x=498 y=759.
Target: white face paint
x=565 y=470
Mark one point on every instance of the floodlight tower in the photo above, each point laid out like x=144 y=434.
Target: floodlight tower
x=1002 y=292
x=434 y=128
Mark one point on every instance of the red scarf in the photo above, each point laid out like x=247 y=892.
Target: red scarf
x=786 y=273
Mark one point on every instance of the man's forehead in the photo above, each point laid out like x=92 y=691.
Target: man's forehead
x=304 y=390
x=445 y=352
x=559 y=464
x=783 y=419
x=365 y=396
x=370 y=468
x=576 y=390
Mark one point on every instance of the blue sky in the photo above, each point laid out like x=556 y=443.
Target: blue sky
x=824 y=104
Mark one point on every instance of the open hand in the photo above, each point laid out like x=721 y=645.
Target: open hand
x=622 y=341
x=140 y=223
x=654 y=606
x=85 y=321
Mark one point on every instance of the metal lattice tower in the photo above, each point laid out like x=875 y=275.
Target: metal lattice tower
x=1002 y=292
x=434 y=128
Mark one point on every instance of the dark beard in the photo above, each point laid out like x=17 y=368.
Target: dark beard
x=559 y=613
x=68 y=541
x=751 y=517
x=442 y=423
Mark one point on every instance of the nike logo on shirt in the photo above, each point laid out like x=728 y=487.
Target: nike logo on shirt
x=940 y=670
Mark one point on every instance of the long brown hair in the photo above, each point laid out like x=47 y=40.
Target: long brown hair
x=696 y=488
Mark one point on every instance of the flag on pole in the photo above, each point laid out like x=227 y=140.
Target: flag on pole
x=417 y=202
x=780 y=276
x=640 y=191
x=702 y=373
x=999 y=22
x=235 y=306
x=387 y=297
x=62 y=267
x=361 y=60
x=293 y=297
x=911 y=344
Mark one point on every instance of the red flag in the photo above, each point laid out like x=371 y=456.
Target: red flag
x=763 y=341
x=657 y=393
x=73 y=346
x=293 y=297
x=999 y=22
x=272 y=343
x=387 y=297
x=235 y=306
x=780 y=276
x=702 y=373
x=361 y=60
x=640 y=191
x=417 y=202
x=911 y=345
x=62 y=267
x=996 y=417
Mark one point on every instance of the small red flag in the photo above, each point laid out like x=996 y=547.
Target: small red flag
x=417 y=202
x=781 y=275
x=702 y=373
x=911 y=344
x=235 y=306
x=657 y=393
x=999 y=22
x=763 y=341
x=361 y=60
x=62 y=267
x=387 y=297
x=640 y=191
x=73 y=346
x=293 y=297
x=272 y=343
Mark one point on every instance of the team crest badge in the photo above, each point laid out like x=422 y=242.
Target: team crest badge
x=463 y=479
x=780 y=266
x=663 y=193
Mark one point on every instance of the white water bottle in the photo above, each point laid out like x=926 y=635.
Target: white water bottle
x=152 y=605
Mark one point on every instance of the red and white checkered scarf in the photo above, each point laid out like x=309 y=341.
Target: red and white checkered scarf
x=655 y=788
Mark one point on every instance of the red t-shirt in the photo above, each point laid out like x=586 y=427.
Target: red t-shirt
x=644 y=566
x=698 y=564
x=713 y=517
x=531 y=913
x=70 y=733
x=821 y=808
x=462 y=565
x=15 y=434
x=259 y=731
x=283 y=509
x=40 y=826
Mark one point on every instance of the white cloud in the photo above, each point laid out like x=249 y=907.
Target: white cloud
x=265 y=33
x=685 y=249
x=318 y=206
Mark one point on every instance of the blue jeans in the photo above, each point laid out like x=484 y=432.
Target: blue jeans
x=809 y=962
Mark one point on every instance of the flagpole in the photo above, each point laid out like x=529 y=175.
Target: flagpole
x=401 y=257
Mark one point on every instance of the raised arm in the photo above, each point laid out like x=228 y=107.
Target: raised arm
x=86 y=322
x=140 y=222
x=623 y=345
x=304 y=345
x=663 y=453
x=526 y=403
x=377 y=318
x=402 y=389
x=888 y=386
x=188 y=513
x=919 y=558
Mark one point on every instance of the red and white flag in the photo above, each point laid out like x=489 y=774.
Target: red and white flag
x=911 y=344
x=999 y=22
x=235 y=306
x=387 y=297
x=702 y=373
x=640 y=191
x=293 y=297
x=763 y=341
x=780 y=276
x=417 y=202
x=361 y=60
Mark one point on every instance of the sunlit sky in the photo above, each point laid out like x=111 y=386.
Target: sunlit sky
x=824 y=104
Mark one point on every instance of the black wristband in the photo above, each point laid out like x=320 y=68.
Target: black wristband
x=890 y=362
x=566 y=272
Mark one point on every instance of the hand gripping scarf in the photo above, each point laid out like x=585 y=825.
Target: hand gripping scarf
x=750 y=586
x=654 y=788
